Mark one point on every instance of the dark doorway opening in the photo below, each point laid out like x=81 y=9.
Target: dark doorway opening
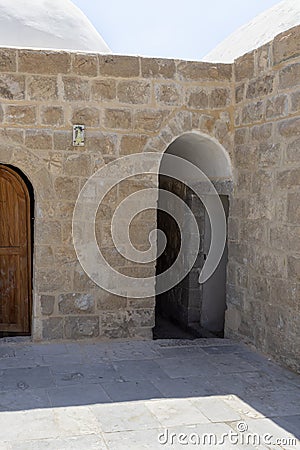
x=191 y=310
x=16 y=252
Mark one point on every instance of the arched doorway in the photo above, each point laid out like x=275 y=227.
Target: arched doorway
x=16 y=231
x=190 y=309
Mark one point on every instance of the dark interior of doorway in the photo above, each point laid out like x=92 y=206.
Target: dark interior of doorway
x=4 y=334
x=178 y=311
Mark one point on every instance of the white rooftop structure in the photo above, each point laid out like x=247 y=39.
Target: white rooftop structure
x=257 y=32
x=47 y=24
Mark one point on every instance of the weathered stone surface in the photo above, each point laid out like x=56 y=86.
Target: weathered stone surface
x=244 y=67
x=42 y=88
x=269 y=154
x=20 y=115
x=132 y=144
x=289 y=76
x=158 y=68
x=262 y=181
x=110 y=302
x=44 y=62
x=289 y=127
x=263 y=58
x=49 y=228
x=38 y=139
x=53 y=280
x=239 y=93
x=52 y=328
x=87 y=116
x=47 y=304
x=76 y=89
x=262 y=132
x=197 y=98
x=104 y=89
x=276 y=106
x=85 y=65
x=293 y=151
x=289 y=178
x=118 y=119
x=119 y=66
x=198 y=71
x=293 y=208
x=67 y=187
x=252 y=113
x=295 y=101
x=63 y=140
x=81 y=327
x=286 y=45
x=219 y=98
x=246 y=157
x=168 y=94
x=103 y=143
x=133 y=92
x=8 y=60
x=44 y=255
x=294 y=267
x=260 y=87
x=12 y=87
x=74 y=304
x=149 y=120
x=77 y=165
x=52 y=115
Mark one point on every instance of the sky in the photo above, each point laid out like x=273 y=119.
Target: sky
x=186 y=29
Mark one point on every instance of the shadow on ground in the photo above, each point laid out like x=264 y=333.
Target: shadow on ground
x=131 y=391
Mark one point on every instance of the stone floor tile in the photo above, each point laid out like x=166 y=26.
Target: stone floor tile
x=269 y=432
x=124 y=417
x=25 y=378
x=24 y=425
x=133 y=440
x=77 y=420
x=186 y=367
x=131 y=390
x=17 y=400
x=275 y=403
x=230 y=363
x=242 y=407
x=56 y=360
x=91 y=442
x=222 y=349
x=206 y=436
x=216 y=409
x=6 y=352
x=137 y=370
x=178 y=352
x=184 y=387
x=74 y=374
x=289 y=423
x=173 y=412
x=78 y=395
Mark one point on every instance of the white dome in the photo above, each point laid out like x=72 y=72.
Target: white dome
x=257 y=32
x=47 y=24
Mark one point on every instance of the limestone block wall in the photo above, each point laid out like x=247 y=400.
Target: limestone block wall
x=264 y=226
x=128 y=105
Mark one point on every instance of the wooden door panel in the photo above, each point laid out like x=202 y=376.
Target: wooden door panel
x=15 y=253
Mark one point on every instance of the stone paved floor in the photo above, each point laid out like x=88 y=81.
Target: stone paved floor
x=130 y=395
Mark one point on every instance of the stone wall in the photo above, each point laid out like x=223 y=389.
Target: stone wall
x=128 y=105
x=264 y=228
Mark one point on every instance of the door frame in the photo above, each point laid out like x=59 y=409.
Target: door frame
x=27 y=188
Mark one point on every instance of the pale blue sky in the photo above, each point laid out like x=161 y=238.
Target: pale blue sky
x=186 y=29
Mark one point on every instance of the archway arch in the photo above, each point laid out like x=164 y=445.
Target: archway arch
x=190 y=308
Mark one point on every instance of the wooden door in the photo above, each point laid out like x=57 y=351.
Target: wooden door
x=15 y=254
